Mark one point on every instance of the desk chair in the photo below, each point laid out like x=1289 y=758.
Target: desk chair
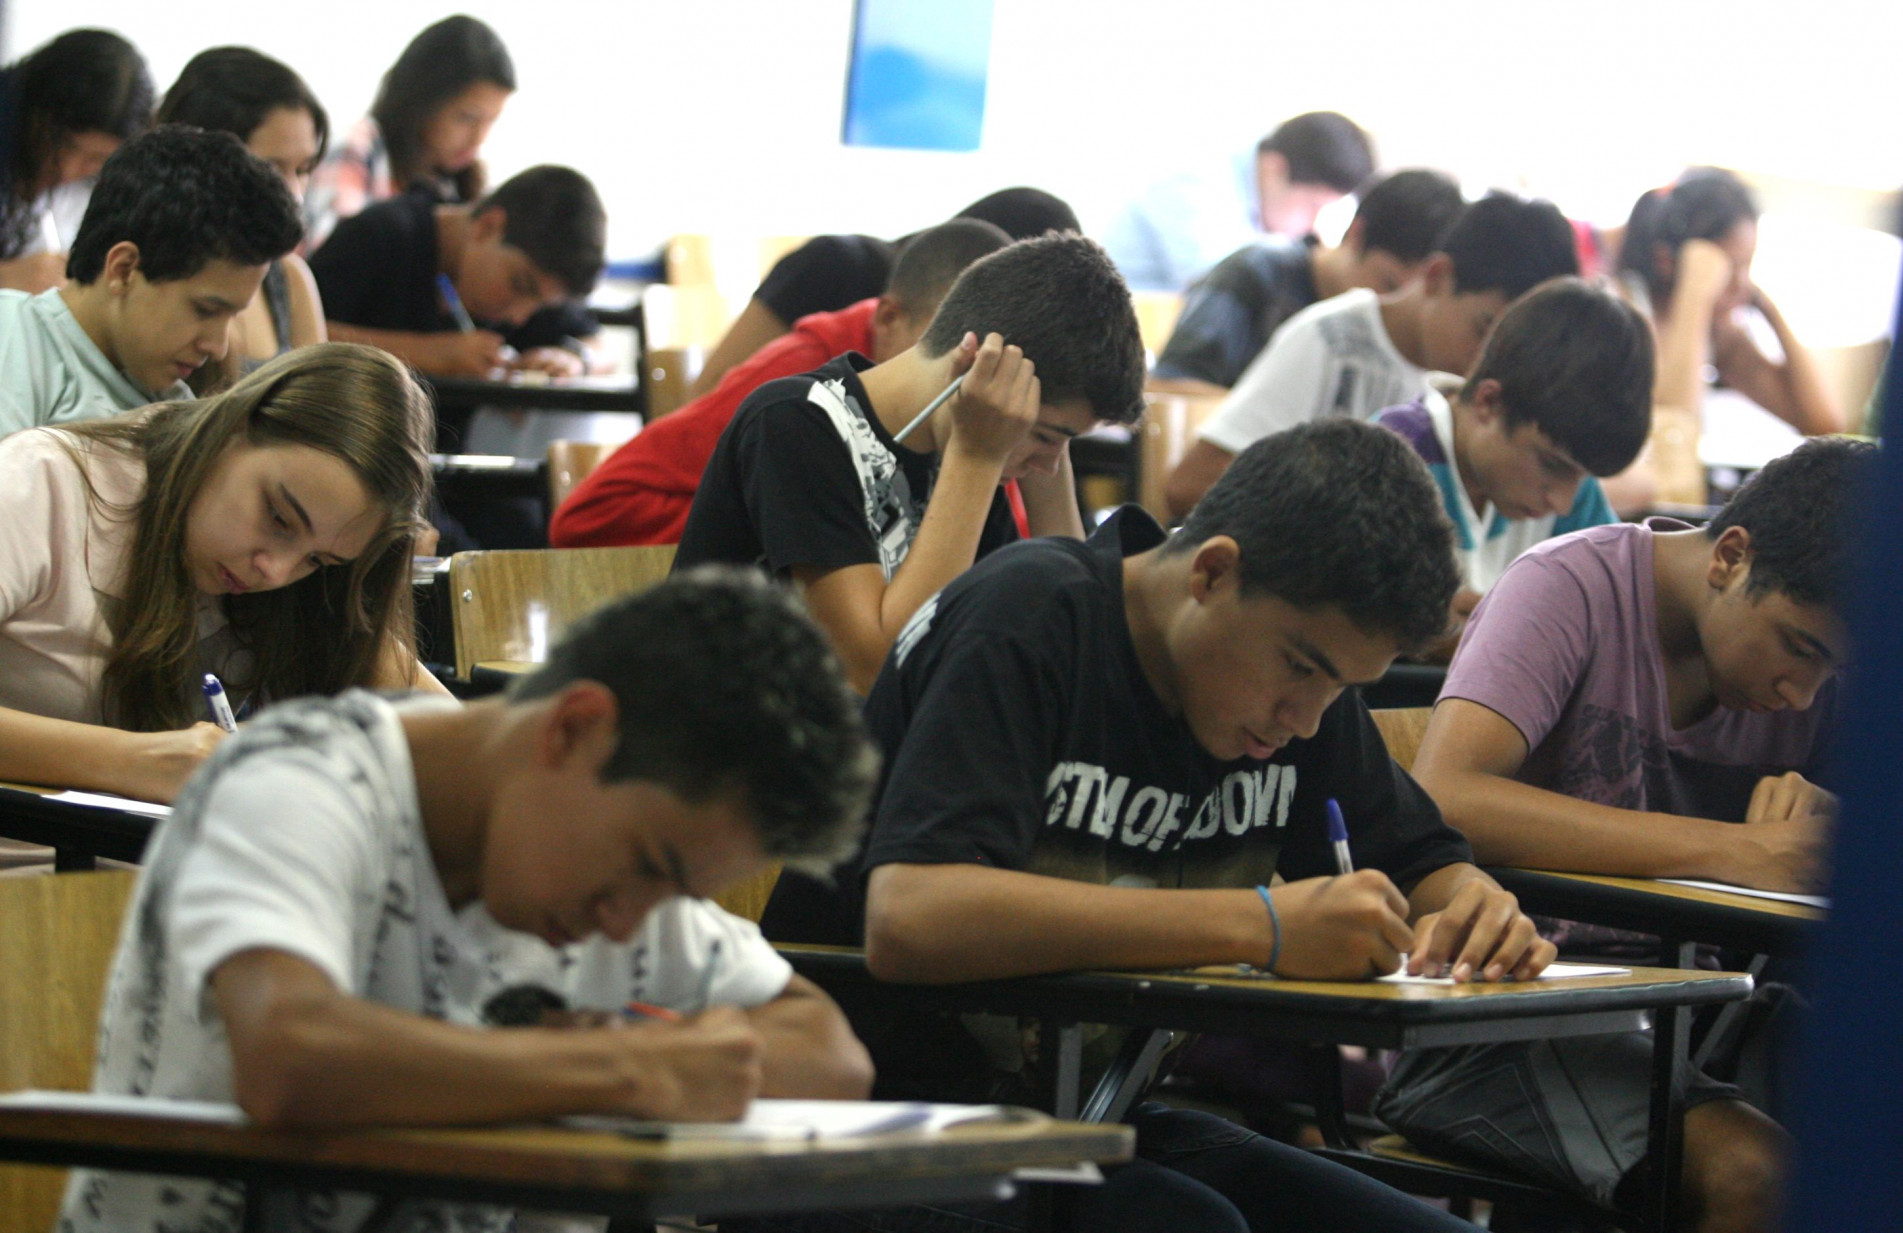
x=57 y=936
x=1402 y=730
x=569 y=463
x=511 y=604
x=1168 y=430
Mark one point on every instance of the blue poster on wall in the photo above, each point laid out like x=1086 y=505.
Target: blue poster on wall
x=917 y=79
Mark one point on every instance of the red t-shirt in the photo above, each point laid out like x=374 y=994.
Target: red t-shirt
x=642 y=493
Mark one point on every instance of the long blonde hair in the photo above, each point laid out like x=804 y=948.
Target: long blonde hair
x=326 y=631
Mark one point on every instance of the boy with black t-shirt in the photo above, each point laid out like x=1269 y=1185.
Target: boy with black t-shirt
x=1099 y=754
x=811 y=482
x=522 y=259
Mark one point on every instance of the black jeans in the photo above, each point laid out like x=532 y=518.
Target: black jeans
x=1194 y=1173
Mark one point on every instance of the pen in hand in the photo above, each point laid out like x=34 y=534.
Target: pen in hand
x=1338 y=838
x=446 y=287
x=220 y=706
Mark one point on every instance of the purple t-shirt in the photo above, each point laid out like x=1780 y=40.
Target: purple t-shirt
x=1566 y=647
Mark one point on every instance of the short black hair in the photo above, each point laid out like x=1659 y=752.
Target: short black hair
x=1704 y=204
x=1508 y=244
x=931 y=261
x=1336 y=512
x=232 y=90
x=1799 y=511
x=1024 y=212
x=185 y=197
x=1577 y=362
x=1322 y=147
x=555 y=216
x=441 y=62
x=1060 y=298
x=1405 y=213
x=724 y=684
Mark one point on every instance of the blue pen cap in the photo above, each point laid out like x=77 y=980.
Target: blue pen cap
x=1337 y=826
x=212 y=687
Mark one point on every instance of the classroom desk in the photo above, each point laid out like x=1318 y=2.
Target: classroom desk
x=78 y=834
x=1681 y=916
x=601 y=392
x=557 y=1169
x=1382 y=1016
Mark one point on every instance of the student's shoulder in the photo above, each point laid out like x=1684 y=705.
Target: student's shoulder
x=400 y=221
x=1411 y=422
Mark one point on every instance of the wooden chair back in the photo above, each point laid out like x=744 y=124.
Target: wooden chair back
x=512 y=604
x=668 y=374
x=1156 y=317
x=569 y=463
x=57 y=937
x=748 y=898
x=1401 y=730
x=1168 y=430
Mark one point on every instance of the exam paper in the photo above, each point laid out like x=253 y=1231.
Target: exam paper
x=1554 y=971
x=106 y=800
x=810 y=1119
x=1815 y=901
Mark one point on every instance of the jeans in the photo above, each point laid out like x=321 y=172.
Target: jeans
x=1194 y=1173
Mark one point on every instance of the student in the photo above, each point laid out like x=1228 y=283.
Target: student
x=174 y=244
x=350 y=884
x=1230 y=312
x=1686 y=261
x=433 y=111
x=1098 y=755
x=1361 y=353
x=262 y=534
x=1179 y=228
x=268 y=107
x=533 y=243
x=810 y=482
x=1562 y=392
x=642 y=493
x=68 y=106
x=829 y=273
x=1625 y=698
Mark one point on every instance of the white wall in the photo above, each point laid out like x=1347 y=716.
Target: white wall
x=718 y=115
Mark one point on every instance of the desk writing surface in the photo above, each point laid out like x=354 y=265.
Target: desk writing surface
x=1686 y=913
x=28 y=813
x=1690 y=894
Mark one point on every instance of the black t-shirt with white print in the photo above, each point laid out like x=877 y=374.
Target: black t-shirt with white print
x=1020 y=732
x=806 y=475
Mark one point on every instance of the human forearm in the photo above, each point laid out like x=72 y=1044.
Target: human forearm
x=1809 y=406
x=939 y=923
x=1050 y=501
x=148 y=766
x=413 y=347
x=1684 y=348
x=947 y=539
x=810 y=1051
x=755 y=327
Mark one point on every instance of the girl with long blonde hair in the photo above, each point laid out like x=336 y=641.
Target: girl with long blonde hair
x=264 y=535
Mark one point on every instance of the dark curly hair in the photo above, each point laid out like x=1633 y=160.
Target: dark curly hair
x=185 y=197
x=232 y=90
x=725 y=683
x=1336 y=512
x=1061 y=300
x=555 y=216
x=1798 y=510
x=84 y=81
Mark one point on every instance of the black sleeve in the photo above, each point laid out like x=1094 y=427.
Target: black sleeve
x=966 y=783
x=1393 y=825
x=1214 y=338
x=801 y=492
x=549 y=326
x=353 y=269
x=826 y=274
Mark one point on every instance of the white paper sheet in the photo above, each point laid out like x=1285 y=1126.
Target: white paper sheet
x=1815 y=901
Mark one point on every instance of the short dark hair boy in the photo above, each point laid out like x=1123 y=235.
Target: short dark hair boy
x=1562 y=393
x=1230 y=313
x=520 y=260
x=811 y=482
x=1100 y=754
x=342 y=954
x=1321 y=147
x=177 y=236
x=1651 y=701
x=1361 y=353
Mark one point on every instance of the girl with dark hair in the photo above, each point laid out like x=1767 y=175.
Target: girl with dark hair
x=1686 y=262
x=67 y=107
x=425 y=130
x=268 y=107
x=264 y=535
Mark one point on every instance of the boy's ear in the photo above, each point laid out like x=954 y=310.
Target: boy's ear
x=122 y=260
x=1437 y=276
x=1730 y=558
x=1214 y=566
x=1355 y=239
x=1485 y=401
x=581 y=723
x=1272 y=168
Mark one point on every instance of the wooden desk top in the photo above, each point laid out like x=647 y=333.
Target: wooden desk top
x=513 y=667
x=1690 y=913
x=569 y=1169
x=1378 y=1014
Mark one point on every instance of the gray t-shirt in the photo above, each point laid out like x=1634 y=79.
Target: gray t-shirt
x=51 y=371
x=303 y=834
x=1566 y=648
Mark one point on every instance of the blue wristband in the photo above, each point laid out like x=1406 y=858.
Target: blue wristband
x=1275 y=922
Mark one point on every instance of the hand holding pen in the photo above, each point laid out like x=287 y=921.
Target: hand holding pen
x=471 y=351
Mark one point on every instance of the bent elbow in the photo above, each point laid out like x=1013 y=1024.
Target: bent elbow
x=282 y=1084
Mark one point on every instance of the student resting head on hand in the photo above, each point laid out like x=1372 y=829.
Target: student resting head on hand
x=263 y=535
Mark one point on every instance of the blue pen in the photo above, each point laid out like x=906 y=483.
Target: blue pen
x=220 y=707
x=1338 y=838
x=454 y=303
